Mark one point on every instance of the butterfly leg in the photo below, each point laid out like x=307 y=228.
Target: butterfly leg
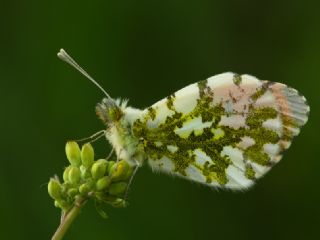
x=93 y=137
x=110 y=154
x=130 y=181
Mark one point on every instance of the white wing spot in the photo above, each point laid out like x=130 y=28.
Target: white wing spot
x=246 y=142
x=266 y=100
x=218 y=133
x=221 y=80
x=259 y=169
x=162 y=112
x=228 y=107
x=234 y=121
x=201 y=157
x=189 y=126
x=238 y=176
x=271 y=149
x=194 y=174
x=172 y=148
x=250 y=80
x=235 y=155
x=158 y=144
x=164 y=163
x=186 y=99
x=274 y=124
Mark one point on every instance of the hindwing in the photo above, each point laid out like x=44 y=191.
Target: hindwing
x=225 y=131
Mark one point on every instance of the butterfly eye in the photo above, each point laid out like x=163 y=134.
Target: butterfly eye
x=108 y=111
x=115 y=113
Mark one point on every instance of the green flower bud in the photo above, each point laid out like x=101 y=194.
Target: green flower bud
x=85 y=188
x=119 y=203
x=110 y=166
x=87 y=155
x=119 y=171
x=72 y=192
x=54 y=189
x=74 y=175
x=129 y=174
x=102 y=196
x=65 y=187
x=56 y=204
x=85 y=173
x=64 y=205
x=103 y=183
x=117 y=188
x=73 y=153
x=99 y=168
x=66 y=174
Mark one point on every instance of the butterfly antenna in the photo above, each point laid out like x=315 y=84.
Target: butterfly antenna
x=64 y=56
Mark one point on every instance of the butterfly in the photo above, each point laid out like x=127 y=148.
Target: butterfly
x=226 y=131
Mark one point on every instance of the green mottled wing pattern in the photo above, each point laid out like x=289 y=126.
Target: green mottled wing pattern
x=226 y=131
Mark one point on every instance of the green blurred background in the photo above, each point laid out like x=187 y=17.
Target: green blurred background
x=145 y=50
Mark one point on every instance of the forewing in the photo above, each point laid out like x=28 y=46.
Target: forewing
x=226 y=131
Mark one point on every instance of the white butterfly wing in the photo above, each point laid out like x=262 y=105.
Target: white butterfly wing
x=226 y=131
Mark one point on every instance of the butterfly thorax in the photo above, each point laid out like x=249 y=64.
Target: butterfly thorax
x=119 y=120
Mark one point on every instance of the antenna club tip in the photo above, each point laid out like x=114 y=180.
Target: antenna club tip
x=61 y=51
x=62 y=54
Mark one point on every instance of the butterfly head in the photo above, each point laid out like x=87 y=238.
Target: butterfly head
x=109 y=111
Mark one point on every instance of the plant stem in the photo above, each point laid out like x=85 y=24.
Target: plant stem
x=68 y=218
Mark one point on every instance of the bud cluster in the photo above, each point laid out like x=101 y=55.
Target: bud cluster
x=105 y=181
